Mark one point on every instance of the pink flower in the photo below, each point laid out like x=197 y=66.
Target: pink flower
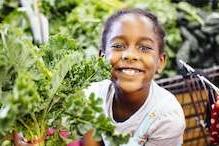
x=64 y=133
x=75 y=143
x=51 y=131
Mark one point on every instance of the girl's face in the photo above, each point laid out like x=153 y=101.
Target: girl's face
x=132 y=49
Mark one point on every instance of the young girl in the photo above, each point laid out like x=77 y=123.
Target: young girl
x=133 y=42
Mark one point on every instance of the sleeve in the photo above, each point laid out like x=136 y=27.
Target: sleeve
x=98 y=88
x=168 y=129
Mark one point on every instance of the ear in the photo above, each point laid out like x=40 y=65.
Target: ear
x=162 y=62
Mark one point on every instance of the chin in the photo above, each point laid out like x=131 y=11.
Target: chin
x=129 y=86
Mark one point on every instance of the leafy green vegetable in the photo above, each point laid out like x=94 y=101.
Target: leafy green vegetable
x=42 y=87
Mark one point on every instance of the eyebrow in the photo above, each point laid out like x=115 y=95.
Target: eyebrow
x=146 y=39
x=120 y=37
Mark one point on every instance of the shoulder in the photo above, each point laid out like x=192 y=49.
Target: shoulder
x=167 y=101
x=171 y=120
x=98 y=88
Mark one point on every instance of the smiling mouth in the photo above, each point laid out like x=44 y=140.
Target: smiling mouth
x=130 y=71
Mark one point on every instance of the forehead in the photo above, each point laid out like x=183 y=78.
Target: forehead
x=132 y=25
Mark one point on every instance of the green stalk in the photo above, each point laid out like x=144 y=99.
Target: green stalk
x=36 y=124
x=26 y=126
x=53 y=102
x=4 y=40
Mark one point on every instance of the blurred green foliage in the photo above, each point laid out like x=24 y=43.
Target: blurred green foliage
x=83 y=21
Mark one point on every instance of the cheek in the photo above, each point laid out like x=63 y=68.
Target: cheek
x=113 y=57
x=151 y=62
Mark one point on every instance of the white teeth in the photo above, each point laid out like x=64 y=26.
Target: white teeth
x=130 y=71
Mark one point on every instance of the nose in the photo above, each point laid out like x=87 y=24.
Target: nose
x=130 y=55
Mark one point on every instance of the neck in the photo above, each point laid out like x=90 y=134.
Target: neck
x=131 y=100
x=126 y=104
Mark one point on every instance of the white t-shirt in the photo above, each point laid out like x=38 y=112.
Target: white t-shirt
x=166 y=130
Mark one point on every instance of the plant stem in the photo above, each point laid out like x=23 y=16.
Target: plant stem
x=36 y=123
x=4 y=40
x=26 y=126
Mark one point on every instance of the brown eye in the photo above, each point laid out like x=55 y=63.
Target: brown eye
x=118 y=46
x=144 y=48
